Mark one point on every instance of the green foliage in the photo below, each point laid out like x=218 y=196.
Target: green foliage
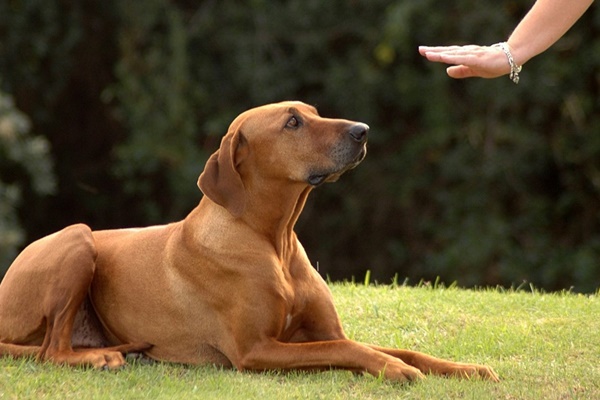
x=24 y=164
x=478 y=181
x=154 y=94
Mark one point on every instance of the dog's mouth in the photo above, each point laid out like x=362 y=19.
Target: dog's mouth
x=318 y=178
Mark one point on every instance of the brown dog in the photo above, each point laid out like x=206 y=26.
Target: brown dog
x=229 y=285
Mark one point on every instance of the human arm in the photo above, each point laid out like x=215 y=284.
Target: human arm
x=542 y=26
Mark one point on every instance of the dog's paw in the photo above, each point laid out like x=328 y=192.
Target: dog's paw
x=470 y=371
x=401 y=373
x=95 y=358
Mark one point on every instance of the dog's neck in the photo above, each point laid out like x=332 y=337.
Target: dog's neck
x=275 y=213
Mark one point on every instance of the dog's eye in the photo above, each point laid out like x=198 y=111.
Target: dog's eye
x=292 y=123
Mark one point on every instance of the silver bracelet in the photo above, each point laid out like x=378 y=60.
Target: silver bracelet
x=514 y=68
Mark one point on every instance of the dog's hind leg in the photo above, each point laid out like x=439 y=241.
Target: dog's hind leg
x=42 y=293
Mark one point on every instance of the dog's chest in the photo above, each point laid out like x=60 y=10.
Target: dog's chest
x=288 y=322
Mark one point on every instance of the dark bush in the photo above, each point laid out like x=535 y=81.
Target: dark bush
x=478 y=181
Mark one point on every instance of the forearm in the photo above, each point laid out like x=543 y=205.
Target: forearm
x=543 y=25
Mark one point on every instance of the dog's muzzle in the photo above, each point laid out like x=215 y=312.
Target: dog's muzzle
x=347 y=155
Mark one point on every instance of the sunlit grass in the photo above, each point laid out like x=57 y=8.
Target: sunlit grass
x=544 y=346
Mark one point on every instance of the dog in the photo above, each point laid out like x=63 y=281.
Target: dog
x=229 y=285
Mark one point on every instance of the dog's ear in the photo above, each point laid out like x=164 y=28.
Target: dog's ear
x=220 y=181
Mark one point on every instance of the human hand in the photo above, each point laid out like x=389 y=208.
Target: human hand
x=469 y=61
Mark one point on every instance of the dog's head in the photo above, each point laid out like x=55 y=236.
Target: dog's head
x=282 y=143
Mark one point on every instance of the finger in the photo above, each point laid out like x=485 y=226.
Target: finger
x=439 y=49
x=468 y=59
x=460 y=72
x=469 y=50
x=433 y=56
x=451 y=58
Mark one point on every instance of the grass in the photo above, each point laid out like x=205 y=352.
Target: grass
x=544 y=346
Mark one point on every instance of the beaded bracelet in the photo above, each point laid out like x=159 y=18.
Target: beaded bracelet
x=514 y=68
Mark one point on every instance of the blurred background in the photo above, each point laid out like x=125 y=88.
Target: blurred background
x=109 y=109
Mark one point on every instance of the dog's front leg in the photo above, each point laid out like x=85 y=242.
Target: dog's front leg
x=437 y=366
x=341 y=354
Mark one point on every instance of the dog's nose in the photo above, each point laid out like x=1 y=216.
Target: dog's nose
x=358 y=132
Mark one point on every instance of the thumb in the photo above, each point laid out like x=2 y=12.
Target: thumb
x=459 y=72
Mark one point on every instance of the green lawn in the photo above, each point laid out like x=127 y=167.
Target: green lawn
x=544 y=346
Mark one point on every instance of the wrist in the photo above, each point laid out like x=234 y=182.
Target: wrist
x=518 y=52
x=515 y=68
